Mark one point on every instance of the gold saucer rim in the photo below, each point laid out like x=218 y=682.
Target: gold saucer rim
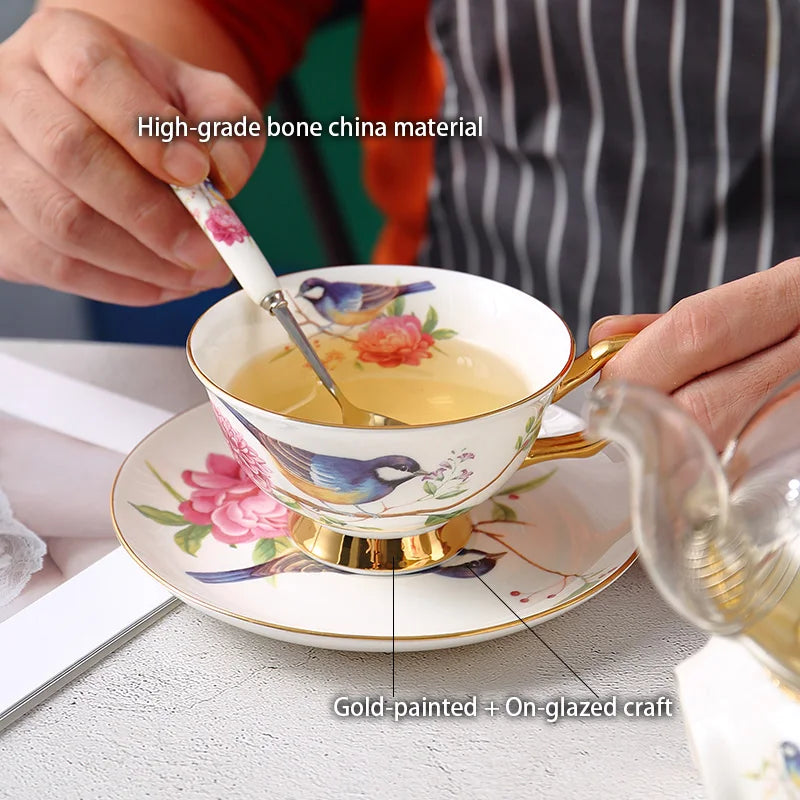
x=193 y=600
x=522 y=622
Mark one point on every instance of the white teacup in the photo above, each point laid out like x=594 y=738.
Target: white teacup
x=360 y=494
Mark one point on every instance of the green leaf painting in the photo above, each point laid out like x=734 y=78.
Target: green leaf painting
x=503 y=512
x=267 y=549
x=444 y=333
x=191 y=537
x=286 y=500
x=453 y=493
x=519 y=488
x=440 y=519
x=396 y=307
x=431 y=321
x=159 y=516
x=177 y=495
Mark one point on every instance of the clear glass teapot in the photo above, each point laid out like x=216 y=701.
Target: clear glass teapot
x=718 y=535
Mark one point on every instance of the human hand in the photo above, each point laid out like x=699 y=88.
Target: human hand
x=84 y=206
x=718 y=353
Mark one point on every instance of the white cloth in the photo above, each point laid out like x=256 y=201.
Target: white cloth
x=744 y=730
x=58 y=487
x=21 y=553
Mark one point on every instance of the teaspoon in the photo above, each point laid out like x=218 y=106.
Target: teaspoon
x=255 y=275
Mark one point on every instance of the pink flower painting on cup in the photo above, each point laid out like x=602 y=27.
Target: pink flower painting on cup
x=392 y=341
x=224 y=226
x=248 y=459
x=225 y=498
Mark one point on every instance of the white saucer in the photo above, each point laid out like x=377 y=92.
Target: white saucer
x=559 y=539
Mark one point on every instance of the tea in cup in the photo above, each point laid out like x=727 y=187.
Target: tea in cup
x=469 y=363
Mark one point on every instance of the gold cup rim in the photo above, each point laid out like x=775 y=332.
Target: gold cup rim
x=204 y=378
x=192 y=599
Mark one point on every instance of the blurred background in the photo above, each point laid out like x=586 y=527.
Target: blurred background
x=305 y=205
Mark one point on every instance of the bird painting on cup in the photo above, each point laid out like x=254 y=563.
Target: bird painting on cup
x=335 y=480
x=341 y=481
x=349 y=304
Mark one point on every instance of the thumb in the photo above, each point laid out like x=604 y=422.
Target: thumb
x=618 y=324
x=213 y=96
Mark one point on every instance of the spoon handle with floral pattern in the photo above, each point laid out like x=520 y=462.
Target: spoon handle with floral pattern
x=229 y=236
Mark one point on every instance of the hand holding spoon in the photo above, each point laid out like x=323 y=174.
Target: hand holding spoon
x=255 y=275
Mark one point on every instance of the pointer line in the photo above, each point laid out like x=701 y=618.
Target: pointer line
x=532 y=631
x=392 y=627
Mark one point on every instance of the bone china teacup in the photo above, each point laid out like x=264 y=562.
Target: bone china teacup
x=384 y=498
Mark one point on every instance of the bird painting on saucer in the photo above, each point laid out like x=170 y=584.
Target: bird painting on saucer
x=469 y=563
x=349 y=304
x=466 y=564
x=791 y=764
x=336 y=480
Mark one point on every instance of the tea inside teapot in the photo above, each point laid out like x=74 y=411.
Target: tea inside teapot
x=719 y=536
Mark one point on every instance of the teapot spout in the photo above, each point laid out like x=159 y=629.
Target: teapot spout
x=680 y=495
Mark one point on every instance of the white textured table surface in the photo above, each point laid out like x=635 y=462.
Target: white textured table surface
x=194 y=708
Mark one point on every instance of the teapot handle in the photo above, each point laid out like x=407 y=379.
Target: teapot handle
x=576 y=445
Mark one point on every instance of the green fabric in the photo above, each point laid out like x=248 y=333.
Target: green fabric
x=273 y=205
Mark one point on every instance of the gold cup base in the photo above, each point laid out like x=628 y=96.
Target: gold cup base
x=380 y=556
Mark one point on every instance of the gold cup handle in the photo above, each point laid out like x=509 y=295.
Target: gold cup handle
x=576 y=445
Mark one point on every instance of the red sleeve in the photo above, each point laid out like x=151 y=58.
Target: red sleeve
x=271 y=33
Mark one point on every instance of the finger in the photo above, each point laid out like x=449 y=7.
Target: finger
x=619 y=324
x=24 y=259
x=64 y=222
x=81 y=157
x=712 y=329
x=115 y=79
x=87 y=61
x=208 y=96
x=722 y=400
